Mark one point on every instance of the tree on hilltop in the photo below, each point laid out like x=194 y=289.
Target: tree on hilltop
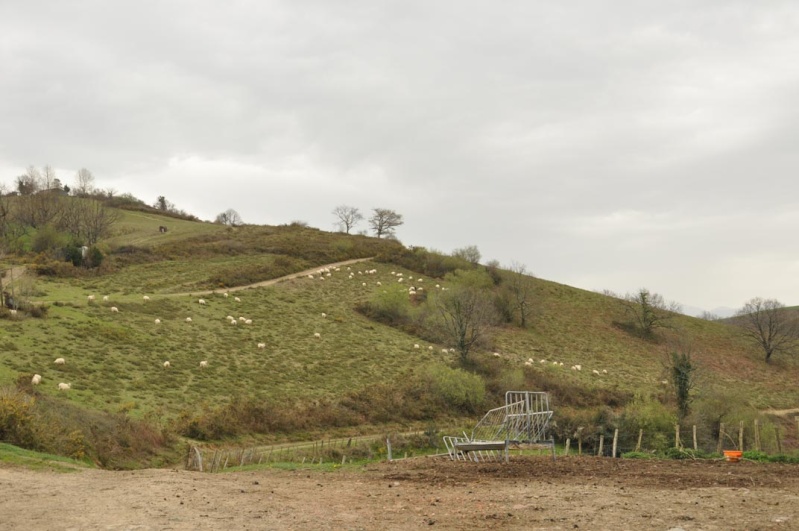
x=770 y=325
x=347 y=217
x=384 y=221
x=229 y=217
x=649 y=311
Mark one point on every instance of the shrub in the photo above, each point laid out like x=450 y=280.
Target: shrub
x=456 y=387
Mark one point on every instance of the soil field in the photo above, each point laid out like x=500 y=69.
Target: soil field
x=422 y=493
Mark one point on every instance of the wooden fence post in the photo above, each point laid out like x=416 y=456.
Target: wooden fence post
x=566 y=448
x=579 y=441
x=779 y=442
x=741 y=436
x=677 y=443
x=696 y=446
x=615 y=441
x=721 y=438
x=388 y=448
x=757 y=435
x=640 y=437
x=601 y=443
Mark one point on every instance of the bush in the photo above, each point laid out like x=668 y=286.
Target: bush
x=456 y=387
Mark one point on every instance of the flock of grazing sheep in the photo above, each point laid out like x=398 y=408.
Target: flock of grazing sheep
x=320 y=274
x=37 y=378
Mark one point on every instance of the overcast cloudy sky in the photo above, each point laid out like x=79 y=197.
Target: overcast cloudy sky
x=605 y=145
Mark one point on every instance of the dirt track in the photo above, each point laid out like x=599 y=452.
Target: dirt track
x=433 y=493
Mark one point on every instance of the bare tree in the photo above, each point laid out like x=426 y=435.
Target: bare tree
x=347 y=217
x=467 y=316
x=384 y=221
x=229 y=217
x=48 y=178
x=649 y=310
x=769 y=324
x=84 y=182
x=469 y=253
x=521 y=291
x=97 y=220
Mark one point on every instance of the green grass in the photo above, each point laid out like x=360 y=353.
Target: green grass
x=115 y=360
x=13 y=455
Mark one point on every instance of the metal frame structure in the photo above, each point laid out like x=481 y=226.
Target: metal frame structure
x=522 y=420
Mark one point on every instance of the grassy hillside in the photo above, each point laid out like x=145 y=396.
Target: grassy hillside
x=114 y=361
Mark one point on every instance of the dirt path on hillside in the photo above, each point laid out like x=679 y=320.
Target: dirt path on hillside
x=273 y=281
x=424 y=493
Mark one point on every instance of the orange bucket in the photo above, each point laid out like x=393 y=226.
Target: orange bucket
x=733 y=456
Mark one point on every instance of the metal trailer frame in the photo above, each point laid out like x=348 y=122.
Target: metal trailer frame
x=523 y=419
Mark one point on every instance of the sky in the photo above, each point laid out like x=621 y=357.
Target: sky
x=605 y=145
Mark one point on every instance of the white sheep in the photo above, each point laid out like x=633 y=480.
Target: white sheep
x=379 y=283
x=90 y=298
x=105 y=298
x=236 y=299
x=604 y=371
x=145 y=298
x=167 y=365
x=157 y=321
x=226 y=294
x=248 y=322
x=497 y=355
x=324 y=315
x=234 y=322
x=261 y=345
x=595 y=372
x=363 y=284
x=416 y=345
x=242 y=319
x=310 y=276
x=37 y=379
x=444 y=351
x=202 y=301
x=430 y=347
x=317 y=335
x=203 y=364
x=64 y=386
x=60 y=361
x=114 y=309
x=578 y=367
x=188 y=319
x=230 y=318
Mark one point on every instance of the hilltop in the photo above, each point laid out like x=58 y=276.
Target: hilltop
x=342 y=369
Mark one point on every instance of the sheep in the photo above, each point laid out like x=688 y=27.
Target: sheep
x=595 y=372
x=430 y=347
x=416 y=345
x=604 y=371
x=310 y=276
x=363 y=284
x=236 y=299
x=400 y=279
x=157 y=321
x=12 y=311
x=234 y=322
x=497 y=355
x=226 y=294
x=203 y=364
x=202 y=301
x=167 y=365
x=248 y=322
x=60 y=361
x=528 y=364
x=242 y=319
x=114 y=309
x=64 y=386
x=379 y=283
x=324 y=315
x=317 y=335
x=188 y=319
x=105 y=298
x=578 y=367
x=145 y=298
x=230 y=318
x=444 y=351
x=261 y=345
x=90 y=298
x=452 y=350
x=37 y=379
x=542 y=361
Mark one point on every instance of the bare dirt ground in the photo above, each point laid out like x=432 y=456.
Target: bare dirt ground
x=422 y=493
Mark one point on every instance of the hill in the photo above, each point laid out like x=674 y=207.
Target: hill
x=115 y=359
